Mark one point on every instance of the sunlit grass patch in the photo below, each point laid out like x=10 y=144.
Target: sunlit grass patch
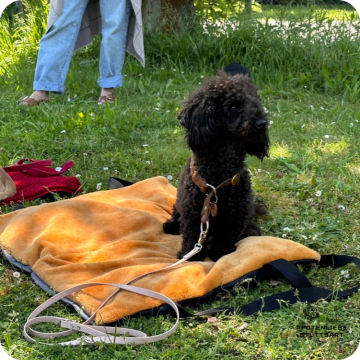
x=280 y=151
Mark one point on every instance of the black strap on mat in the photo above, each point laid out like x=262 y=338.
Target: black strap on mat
x=304 y=291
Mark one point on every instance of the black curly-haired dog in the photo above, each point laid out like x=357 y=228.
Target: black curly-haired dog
x=224 y=121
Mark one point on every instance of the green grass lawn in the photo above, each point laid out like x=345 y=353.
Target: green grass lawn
x=310 y=183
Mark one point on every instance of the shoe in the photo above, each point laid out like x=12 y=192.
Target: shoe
x=28 y=101
x=110 y=99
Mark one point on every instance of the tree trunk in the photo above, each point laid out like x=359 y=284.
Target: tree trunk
x=19 y=6
x=164 y=12
x=248 y=5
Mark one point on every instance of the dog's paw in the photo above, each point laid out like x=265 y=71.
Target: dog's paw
x=215 y=253
x=171 y=227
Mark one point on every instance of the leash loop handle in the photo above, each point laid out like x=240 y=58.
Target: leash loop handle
x=102 y=333
x=97 y=333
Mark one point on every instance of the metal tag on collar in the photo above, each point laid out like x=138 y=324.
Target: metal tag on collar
x=235 y=179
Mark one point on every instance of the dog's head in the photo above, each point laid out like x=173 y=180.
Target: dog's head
x=226 y=109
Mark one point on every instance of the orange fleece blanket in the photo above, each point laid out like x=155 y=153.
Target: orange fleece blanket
x=113 y=236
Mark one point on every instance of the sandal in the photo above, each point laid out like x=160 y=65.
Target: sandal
x=28 y=101
x=110 y=99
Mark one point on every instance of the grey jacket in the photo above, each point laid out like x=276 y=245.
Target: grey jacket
x=91 y=25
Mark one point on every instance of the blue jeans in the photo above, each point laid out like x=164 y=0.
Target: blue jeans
x=57 y=45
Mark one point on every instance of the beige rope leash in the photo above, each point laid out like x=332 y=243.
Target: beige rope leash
x=101 y=333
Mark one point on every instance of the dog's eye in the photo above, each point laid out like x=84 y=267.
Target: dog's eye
x=233 y=113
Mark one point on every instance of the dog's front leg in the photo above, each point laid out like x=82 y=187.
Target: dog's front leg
x=172 y=225
x=224 y=238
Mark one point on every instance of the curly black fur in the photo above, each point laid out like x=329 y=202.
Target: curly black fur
x=224 y=121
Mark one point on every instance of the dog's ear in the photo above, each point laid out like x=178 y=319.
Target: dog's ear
x=200 y=120
x=259 y=146
x=235 y=68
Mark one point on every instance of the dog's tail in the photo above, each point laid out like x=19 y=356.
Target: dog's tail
x=235 y=68
x=260 y=210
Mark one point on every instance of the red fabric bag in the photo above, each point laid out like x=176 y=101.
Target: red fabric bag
x=36 y=178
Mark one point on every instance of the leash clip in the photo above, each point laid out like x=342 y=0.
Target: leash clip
x=203 y=233
x=202 y=238
x=213 y=188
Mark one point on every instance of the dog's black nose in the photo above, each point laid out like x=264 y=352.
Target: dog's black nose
x=260 y=124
